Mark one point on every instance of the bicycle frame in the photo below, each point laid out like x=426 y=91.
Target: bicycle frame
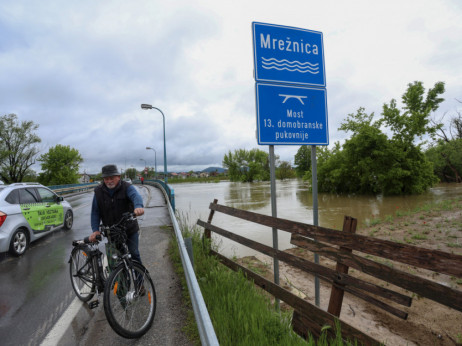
x=96 y=257
x=126 y=260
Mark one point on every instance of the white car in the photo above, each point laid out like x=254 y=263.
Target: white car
x=28 y=211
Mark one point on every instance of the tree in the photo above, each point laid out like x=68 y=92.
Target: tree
x=151 y=172
x=415 y=121
x=447 y=160
x=247 y=166
x=303 y=160
x=30 y=176
x=284 y=171
x=445 y=153
x=60 y=166
x=370 y=162
x=17 y=148
x=331 y=170
x=132 y=173
x=456 y=124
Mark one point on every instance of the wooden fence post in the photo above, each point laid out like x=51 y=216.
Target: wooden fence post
x=207 y=233
x=336 y=294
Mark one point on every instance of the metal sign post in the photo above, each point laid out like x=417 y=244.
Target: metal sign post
x=274 y=213
x=291 y=99
x=314 y=190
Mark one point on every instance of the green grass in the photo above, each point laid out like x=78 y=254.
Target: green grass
x=240 y=312
x=389 y=218
x=373 y=222
x=400 y=213
x=419 y=236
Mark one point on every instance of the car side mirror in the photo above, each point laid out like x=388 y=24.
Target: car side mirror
x=59 y=199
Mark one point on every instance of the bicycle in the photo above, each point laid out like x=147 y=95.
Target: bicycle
x=129 y=294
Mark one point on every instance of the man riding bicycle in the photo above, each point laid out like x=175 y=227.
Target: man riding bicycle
x=112 y=199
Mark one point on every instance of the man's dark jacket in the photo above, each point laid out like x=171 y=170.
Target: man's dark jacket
x=112 y=208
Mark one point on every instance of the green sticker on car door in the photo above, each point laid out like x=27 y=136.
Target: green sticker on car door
x=43 y=216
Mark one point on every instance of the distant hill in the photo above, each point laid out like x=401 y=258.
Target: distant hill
x=214 y=169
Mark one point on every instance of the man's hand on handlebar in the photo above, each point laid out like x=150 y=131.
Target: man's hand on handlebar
x=139 y=211
x=92 y=237
x=96 y=235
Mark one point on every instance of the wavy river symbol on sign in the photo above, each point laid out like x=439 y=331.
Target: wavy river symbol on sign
x=292 y=66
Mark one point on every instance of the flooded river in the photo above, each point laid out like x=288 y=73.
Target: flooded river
x=294 y=202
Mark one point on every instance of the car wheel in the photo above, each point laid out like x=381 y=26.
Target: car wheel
x=19 y=242
x=68 y=220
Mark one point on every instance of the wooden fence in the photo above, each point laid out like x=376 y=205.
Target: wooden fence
x=338 y=246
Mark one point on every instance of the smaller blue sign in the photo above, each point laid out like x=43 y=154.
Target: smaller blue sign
x=291 y=115
x=289 y=55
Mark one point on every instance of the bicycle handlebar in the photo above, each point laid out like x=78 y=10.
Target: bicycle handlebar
x=118 y=228
x=128 y=216
x=86 y=240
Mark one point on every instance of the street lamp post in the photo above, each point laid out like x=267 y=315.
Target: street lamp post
x=155 y=160
x=146 y=106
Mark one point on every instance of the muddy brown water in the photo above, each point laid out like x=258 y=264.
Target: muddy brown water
x=294 y=202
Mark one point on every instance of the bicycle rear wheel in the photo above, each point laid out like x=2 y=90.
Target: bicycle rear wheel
x=82 y=273
x=130 y=305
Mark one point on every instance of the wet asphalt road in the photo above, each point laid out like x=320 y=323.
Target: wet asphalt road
x=35 y=289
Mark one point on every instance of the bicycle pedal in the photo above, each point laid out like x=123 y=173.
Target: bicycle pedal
x=94 y=304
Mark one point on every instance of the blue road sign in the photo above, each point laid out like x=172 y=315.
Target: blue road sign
x=291 y=115
x=290 y=55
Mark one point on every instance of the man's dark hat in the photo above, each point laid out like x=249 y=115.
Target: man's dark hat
x=109 y=171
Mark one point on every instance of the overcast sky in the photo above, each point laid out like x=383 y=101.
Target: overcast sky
x=81 y=69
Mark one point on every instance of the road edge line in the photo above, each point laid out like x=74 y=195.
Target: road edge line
x=63 y=324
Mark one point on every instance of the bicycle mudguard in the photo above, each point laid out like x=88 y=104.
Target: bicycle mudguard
x=77 y=244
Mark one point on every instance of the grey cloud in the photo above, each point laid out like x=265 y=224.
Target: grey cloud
x=81 y=70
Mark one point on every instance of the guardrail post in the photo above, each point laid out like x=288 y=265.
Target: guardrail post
x=172 y=198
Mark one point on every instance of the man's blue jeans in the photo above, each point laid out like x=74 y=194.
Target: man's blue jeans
x=132 y=243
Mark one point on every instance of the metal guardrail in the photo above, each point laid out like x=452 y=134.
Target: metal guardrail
x=204 y=323
x=71 y=188
x=156 y=182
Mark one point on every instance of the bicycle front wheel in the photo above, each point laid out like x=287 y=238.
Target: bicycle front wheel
x=130 y=301
x=82 y=273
